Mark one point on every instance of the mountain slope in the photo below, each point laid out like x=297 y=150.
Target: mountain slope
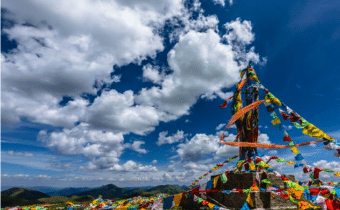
x=20 y=196
x=111 y=191
x=43 y=189
x=69 y=191
x=168 y=189
x=107 y=192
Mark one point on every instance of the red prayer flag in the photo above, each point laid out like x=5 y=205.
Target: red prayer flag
x=314 y=191
x=284 y=114
x=284 y=196
x=316 y=172
x=226 y=102
x=195 y=191
x=307 y=169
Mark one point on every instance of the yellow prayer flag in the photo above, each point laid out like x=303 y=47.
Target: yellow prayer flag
x=211 y=206
x=290 y=163
x=295 y=150
x=240 y=164
x=215 y=181
x=252 y=166
x=303 y=205
x=249 y=200
x=276 y=121
x=337 y=174
x=177 y=199
x=312 y=131
x=69 y=203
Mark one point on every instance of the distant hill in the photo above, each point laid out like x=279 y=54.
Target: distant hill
x=107 y=191
x=168 y=189
x=143 y=188
x=69 y=191
x=111 y=191
x=63 y=199
x=7 y=187
x=20 y=196
x=44 y=189
x=186 y=188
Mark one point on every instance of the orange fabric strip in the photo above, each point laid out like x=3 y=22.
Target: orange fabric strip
x=270 y=146
x=242 y=112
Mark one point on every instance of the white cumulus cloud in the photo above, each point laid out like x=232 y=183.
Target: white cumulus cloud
x=177 y=137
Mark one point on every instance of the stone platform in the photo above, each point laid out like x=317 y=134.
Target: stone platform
x=244 y=180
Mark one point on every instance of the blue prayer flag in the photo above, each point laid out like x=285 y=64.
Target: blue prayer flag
x=216 y=207
x=299 y=157
x=245 y=206
x=227 y=191
x=209 y=184
x=167 y=203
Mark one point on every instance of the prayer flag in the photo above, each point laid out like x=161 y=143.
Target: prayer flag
x=284 y=114
x=276 y=121
x=286 y=137
x=211 y=206
x=290 y=163
x=245 y=206
x=168 y=202
x=299 y=157
x=177 y=199
x=209 y=184
x=280 y=160
x=224 y=178
x=249 y=200
x=316 y=172
x=252 y=166
x=297 y=125
x=215 y=181
x=307 y=169
x=295 y=150
x=273 y=115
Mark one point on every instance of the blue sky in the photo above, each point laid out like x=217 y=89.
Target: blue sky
x=127 y=92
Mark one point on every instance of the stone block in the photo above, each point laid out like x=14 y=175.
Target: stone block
x=244 y=180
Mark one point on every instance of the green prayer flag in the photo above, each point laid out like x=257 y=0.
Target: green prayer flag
x=200 y=200
x=292 y=200
x=224 y=178
x=327 y=170
x=297 y=125
x=266 y=181
x=273 y=115
x=333 y=192
x=291 y=143
x=304 y=122
x=246 y=191
x=280 y=160
x=261 y=163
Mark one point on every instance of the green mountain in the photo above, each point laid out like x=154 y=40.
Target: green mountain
x=44 y=189
x=111 y=191
x=62 y=199
x=107 y=192
x=168 y=189
x=21 y=196
x=69 y=191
